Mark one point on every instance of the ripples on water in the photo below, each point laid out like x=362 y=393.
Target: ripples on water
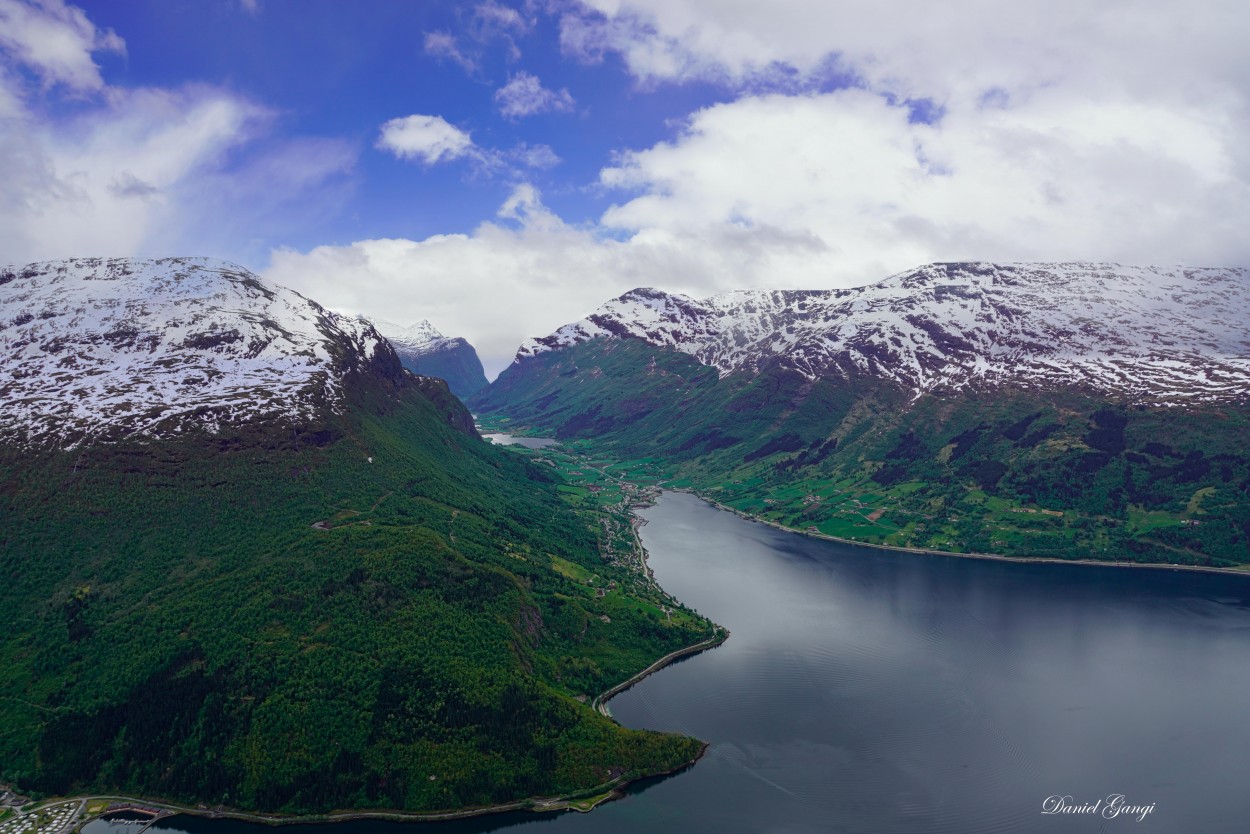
x=872 y=691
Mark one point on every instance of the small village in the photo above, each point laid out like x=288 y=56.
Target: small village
x=23 y=815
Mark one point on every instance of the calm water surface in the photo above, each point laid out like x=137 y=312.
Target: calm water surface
x=513 y=440
x=870 y=691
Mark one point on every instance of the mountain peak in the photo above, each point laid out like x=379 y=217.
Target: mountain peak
x=424 y=350
x=421 y=333
x=1160 y=334
x=102 y=348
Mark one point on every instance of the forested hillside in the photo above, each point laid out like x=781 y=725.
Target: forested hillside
x=364 y=606
x=1061 y=471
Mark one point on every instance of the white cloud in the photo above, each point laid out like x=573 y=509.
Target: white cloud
x=1128 y=182
x=535 y=156
x=528 y=274
x=524 y=95
x=496 y=15
x=648 y=53
x=428 y=138
x=961 y=48
x=136 y=171
x=105 y=183
x=443 y=45
x=1115 y=125
x=55 y=41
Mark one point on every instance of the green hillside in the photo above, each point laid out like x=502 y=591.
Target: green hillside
x=1059 y=473
x=374 y=612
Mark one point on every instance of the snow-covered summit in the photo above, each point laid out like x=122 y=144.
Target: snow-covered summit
x=1166 y=335
x=424 y=350
x=116 y=347
x=421 y=335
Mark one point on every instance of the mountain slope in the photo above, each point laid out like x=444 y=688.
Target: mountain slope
x=423 y=350
x=1159 y=335
x=336 y=597
x=1012 y=409
x=163 y=346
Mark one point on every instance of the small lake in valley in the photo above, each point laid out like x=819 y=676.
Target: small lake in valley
x=875 y=691
x=513 y=440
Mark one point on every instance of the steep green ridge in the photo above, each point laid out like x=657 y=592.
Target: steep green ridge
x=457 y=364
x=1059 y=473
x=176 y=627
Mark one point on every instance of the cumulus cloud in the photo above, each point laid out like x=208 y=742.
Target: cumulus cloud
x=431 y=139
x=55 y=41
x=524 y=95
x=962 y=48
x=1060 y=128
x=1133 y=183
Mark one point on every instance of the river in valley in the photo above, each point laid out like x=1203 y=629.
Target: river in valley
x=876 y=691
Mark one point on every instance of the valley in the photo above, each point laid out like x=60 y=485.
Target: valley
x=347 y=601
x=1000 y=437
x=320 y=593
x=852 y=511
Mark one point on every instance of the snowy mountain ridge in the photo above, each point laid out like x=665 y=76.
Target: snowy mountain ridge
x=421 y=336
x=424 y=350
x=1160 y=335
x=132 y=347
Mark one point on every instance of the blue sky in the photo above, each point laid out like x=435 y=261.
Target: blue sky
x=501 y=168
x=337 y=71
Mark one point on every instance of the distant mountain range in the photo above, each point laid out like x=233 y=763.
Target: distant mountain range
x=1141 y=334
x=248 y=559
x=423 y=350
x=943 y=407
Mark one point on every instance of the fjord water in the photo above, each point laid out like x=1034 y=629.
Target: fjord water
x=874 y=691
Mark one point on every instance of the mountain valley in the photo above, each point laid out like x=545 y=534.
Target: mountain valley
x=1049 y=410
x=251 y=561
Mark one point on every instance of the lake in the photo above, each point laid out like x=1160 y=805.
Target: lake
x=514 y=440
x=876 y=691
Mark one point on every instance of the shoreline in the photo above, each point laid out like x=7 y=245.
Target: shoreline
x=599 y=704
x=595 y=796
x=922 y=551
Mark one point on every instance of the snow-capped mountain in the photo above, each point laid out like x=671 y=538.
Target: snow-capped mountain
x=131 y=347
x=422 y=336
x=424 y=350
x=1163 y=335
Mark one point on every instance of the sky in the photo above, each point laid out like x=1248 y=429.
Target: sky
x=502 y=168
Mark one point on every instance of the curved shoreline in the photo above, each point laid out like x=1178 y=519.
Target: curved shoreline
x=923 y=551
x=594 y=795
x=599 y=704
x=574 y=802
